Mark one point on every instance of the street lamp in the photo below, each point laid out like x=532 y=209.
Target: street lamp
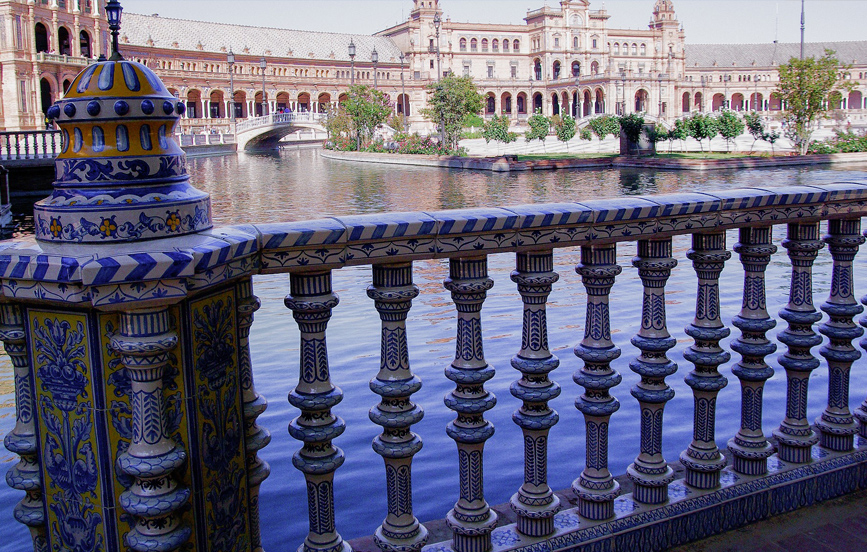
x=660 y=95
x=230 y=57
x=403 y=101
x=703 y=83
x=579 y=96
x=532 y=102
x=113 y=12
x=726 y=79
x=352 y=61
x=757 y=105
x=374 y=57
x=622 y=93
x=437 y=23
x=263 y=65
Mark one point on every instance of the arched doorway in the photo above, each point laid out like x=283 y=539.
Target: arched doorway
x=699 y=101
x=575 y=108
x=84 y=43
x=216 y=101
x=588 y=103
x=641 y=101
x=240 y=100
x=193 y=99
x=685 y=103
x=303 y=102
x=490 y=104
x=282 y=101
x=719 y=102
x=343 y=98
x=66 y=84
x=775 y=103
x=757 y=102
x=555 y=104
x=63 y=43
x=537 y=68
x=856 y=99
x=506 y=103
x=259 y=108
x=41 y=37
x=46 y=97
x=324 y=102
x=600 y=101
x=521 y=103
x=402 y=104
x=537 y=102
x=737 y=102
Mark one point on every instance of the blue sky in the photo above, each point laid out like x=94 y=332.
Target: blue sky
x=705 y=21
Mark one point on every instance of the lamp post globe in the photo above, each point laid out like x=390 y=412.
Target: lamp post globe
x=437 y=22
x=114 y=12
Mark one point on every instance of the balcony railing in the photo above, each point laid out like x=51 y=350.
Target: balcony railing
x=29 y=144
x=44 y=57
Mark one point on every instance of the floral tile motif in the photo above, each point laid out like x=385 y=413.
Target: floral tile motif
x=678 y=491
x=562 y=224
x=818 y=453
x=476 y=230
x=624 y=505
x=297 y=244
x=505 y=536
x=775 y=464
x=566 y=520
x=623 y=217
x=728 y=478
x=389 y=235
x=439 y=547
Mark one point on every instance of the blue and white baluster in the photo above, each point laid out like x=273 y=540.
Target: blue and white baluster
x=837 y=427
x=255 y=437
x=749 y=446
x=535 y=503
x=702 y=459
x=596 y=488
x=472 y=519
x=155 y=498
x=22 y=440
x=311 y=300
x=795 y=437
x=861 y=411
x=393 y=292
x=650 y=473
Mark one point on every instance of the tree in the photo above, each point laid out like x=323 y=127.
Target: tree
x=632 y=126
x=339 y=124
x=586 y=133
x=449 y=101
x=605 y=125
x=755 y=126
x=540 y=126
x=806 y=86
x=729 y=126
x=702 y=127
x=565 y=131
x=680 y=131
x=369 y=109
x=771 y=138
x=497 y=129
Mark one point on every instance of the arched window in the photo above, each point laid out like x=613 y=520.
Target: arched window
x=505 y=44
x=41 y=36
x=575 y=42
x=463 y=45
x=84 y=43
x=556 y=70
x=634 y=49
x=576 y=68
x=594 y=68
x=495 y=45
x=474 y=45
x=484 y=44
x=643 y=49
x=616 y=49
x=63 y=43
x=516 y=45
x=537 y=69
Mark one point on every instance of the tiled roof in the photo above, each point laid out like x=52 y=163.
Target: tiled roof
x=765 y=55
x=213 y=37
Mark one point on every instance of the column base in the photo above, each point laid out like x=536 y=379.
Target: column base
x=797 y=448
x=535 y=520
x=596 y=502
x=861 y=415
x=341 y=546
x=703 y=474
x=650 y=488
x=838 y=436
x=411 y=542
x=750 y=460
x=474 y=536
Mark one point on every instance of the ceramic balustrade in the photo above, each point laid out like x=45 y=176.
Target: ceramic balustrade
x=661 y=512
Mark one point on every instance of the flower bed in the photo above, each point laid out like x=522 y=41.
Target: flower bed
x=408 y=144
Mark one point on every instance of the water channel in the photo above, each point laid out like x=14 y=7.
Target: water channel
x=298 y=185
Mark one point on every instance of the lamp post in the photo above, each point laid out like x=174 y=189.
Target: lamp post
x=703 y=82
x=437 y=22
x=622 y=110
x=113 y=12
x=758 y=106
x=403 y=102
x=352 y=61
x=263 y=65
x=802 y=29
x=230 y=57
x=726 y=79
x=374 y=57
x=532 y=106
x=578 y=96
x=660 y=95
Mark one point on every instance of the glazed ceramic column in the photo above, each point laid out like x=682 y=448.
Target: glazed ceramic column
x=471 y=520
x=311 y=301
x=155 y=499
x=795 y=437
x=650 y=473
x=254 y=404
x=702 y=459
x=22 y=440
x=837 y=427
x=749 y=446
x=861 y=411
x=595 y=488
x=393 y=292
x=535 y=503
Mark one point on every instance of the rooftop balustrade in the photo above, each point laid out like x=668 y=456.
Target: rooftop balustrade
x=805 y=461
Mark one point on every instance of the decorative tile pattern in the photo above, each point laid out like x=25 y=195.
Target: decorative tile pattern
x=391 y=236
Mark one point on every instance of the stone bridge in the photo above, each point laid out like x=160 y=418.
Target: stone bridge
x=263 y=133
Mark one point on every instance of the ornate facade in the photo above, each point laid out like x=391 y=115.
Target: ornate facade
x=564 y=59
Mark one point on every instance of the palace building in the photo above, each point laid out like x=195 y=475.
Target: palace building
x=563 y=59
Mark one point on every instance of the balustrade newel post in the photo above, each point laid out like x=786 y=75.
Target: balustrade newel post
x=254 y=404
x=311 y=300
x=535 y=503
x=472 y=519
x=837 y=427
x=22 y=440
x=702 y=459
x=155 y=499
x=749 y=446
x=795 y=437
x=393 y=292
x=861 y=411
x=650 y=473
x=595 y=487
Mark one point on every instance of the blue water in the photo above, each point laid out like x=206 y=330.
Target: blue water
x=302 y=185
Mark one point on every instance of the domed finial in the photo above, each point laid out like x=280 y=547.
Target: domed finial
x=114 y=11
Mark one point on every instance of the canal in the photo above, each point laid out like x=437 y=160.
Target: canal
x=298 y=185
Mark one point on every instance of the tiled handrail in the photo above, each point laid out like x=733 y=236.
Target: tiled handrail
x=29 y=144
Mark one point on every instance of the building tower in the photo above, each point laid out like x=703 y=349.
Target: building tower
x=664 y=16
